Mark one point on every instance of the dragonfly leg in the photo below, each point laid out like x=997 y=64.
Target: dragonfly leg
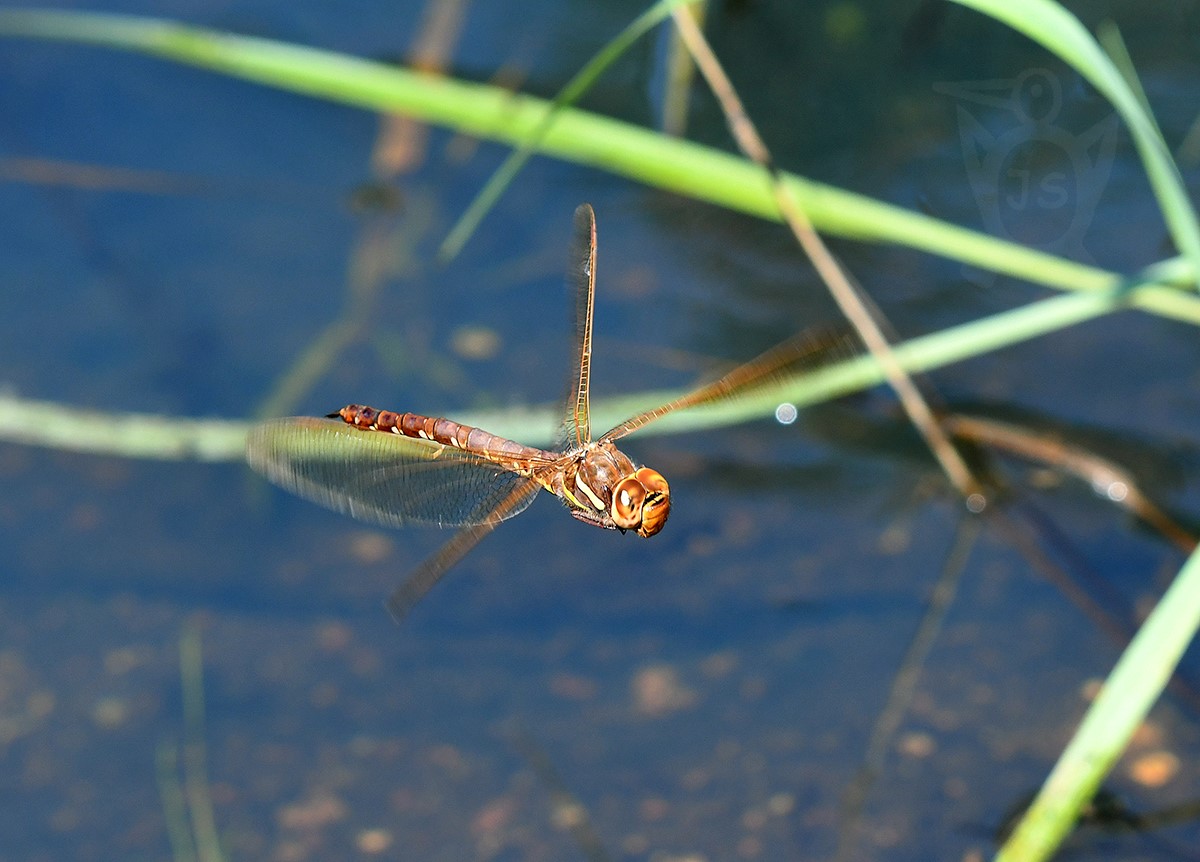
x=596 y=519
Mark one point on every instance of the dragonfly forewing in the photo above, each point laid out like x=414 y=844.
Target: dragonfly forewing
x=801 y=354
x=387 y=479
x=581 y=277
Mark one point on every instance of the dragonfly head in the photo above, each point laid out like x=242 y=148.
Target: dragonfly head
x=641 y=501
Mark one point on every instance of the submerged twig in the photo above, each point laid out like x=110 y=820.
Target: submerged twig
x=678 y=71
x=904 y=686
x=90 y=177
x=567 y=810
x=1106 y=478
x=400 y=144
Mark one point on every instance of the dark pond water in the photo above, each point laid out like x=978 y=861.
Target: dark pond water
x=708 y=695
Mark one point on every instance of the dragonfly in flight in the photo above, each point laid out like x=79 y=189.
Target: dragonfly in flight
x=395 y=469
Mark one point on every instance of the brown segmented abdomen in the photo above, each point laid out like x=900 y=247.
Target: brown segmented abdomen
x=447 y=432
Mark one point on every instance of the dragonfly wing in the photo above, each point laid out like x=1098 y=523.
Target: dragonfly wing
x=426 y=575
x=581 y=278
x=801 y=354
x=387 y=479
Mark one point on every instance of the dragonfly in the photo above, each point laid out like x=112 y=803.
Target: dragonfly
x=396 y=469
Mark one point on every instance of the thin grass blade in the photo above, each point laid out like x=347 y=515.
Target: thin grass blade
x=567 y=96
x=1131 y=689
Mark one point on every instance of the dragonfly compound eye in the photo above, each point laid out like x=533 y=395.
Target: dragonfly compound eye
x=628 y=497
x=641 y=502
x=657 y=505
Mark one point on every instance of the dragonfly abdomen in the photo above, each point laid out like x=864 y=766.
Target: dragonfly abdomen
x=439 y=430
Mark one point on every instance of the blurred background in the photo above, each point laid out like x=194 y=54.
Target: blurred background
x=173 y=241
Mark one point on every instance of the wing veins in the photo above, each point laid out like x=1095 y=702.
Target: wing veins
x=581 y=275
x=806 y=351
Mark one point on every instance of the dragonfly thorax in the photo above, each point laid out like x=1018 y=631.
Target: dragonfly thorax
x=604 y=487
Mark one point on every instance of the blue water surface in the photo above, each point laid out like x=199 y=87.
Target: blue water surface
x=174 y=240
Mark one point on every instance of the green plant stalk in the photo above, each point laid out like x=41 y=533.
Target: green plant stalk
x=1130 y=690
x=144 y=436
x=586 y=138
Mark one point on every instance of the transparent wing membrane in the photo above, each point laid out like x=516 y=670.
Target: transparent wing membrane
x=387 y=479
x=581 y=277
x=426 y=575
x=807 y=351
